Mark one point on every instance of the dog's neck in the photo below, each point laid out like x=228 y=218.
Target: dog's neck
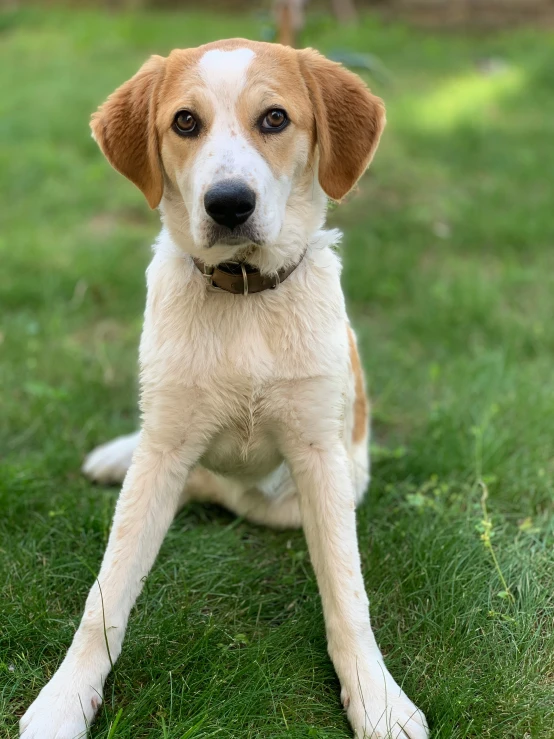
x=315 y=251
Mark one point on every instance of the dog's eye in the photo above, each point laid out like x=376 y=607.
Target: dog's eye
x=185 y=124
x=274 y=120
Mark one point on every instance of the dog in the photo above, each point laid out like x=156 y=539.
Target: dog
x=251 y=389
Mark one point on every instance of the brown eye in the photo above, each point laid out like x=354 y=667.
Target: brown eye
x=184 y=123
x=274 y=121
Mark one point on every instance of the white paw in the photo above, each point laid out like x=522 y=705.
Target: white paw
x=378 y=708
x=109 y=462
x=64 y=709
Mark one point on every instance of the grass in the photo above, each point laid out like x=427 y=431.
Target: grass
x=449 y=271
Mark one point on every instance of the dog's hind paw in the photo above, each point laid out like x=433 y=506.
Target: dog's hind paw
x=109 y=462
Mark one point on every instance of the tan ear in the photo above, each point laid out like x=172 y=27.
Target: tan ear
x=124 y=129
x=348 y=120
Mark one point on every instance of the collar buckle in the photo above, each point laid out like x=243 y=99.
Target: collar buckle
x=208 y=275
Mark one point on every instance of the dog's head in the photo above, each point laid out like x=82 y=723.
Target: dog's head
x=239 y=143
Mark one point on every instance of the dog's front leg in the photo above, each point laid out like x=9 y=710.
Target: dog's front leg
x=145 y=509
x=375 y=704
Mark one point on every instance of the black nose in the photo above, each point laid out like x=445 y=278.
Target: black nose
x=230 y=203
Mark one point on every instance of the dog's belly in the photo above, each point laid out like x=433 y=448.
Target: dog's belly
x=243 y=453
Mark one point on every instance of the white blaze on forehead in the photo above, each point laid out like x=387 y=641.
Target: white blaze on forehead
x=228 y=152
x=224 y=72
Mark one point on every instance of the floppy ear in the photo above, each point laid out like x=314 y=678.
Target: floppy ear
x=348 y=121
x=124 y=129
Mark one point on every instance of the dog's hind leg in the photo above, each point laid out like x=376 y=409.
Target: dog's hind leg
x=109 y=462
x=278 y=510
x=276 y=513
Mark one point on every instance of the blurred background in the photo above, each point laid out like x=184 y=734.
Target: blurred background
x=449 y=273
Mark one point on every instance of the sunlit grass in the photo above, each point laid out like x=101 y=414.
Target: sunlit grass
x=472 y=98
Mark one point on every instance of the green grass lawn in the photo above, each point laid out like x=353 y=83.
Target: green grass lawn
x=449 y=271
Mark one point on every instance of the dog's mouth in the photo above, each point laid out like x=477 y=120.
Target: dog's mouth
x=242 y=236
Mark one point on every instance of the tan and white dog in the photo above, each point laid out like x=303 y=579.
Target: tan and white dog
x=254 y=401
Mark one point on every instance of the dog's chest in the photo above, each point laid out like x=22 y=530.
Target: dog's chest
x=245 y=445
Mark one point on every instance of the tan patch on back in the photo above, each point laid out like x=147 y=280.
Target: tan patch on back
x=360 y=400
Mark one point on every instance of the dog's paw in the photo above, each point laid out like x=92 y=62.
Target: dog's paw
x=64 y=709
x=378 y=708
x=109 y=462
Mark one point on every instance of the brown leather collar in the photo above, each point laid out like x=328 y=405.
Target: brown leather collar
x=241 y=278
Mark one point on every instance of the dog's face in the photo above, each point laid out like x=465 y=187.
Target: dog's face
x=239 y=142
